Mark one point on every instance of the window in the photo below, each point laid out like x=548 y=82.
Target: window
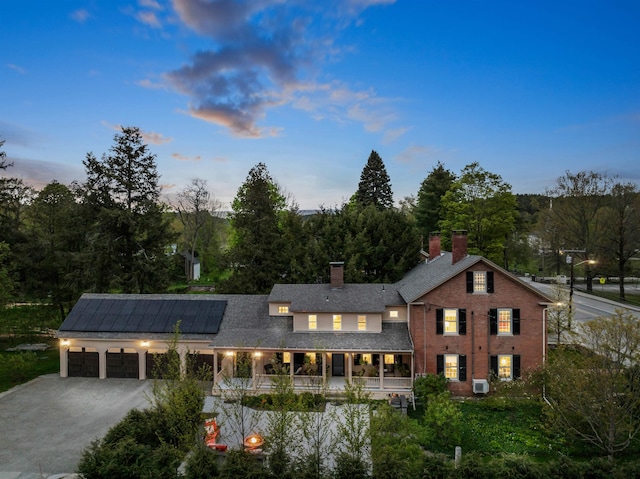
x=362 y=323
x=453 y=366
x=504 y=321
x=389 y=359
x=337 y=322
x=283 y=309
x=451 y=321
x=313 y=321
x=286 y=357
x=393 y=313
x=506 y=366
x=480 y=282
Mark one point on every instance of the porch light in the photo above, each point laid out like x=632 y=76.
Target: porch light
x=257 y=354
x=229 y=353
x=145 y=344
x=65 y=342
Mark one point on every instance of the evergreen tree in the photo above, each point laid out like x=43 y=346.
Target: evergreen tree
x=374 y=187
x=257 y=255
x=128 y=230
x=428 y=210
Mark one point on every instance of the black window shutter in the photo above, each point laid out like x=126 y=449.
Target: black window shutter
x=462 y=367
x=462 y=321
x=516 y=321
x=493 y=321
x=440 y=364
x=494 y=365
x=516 y=366
x=469 y=281
x=489 y=281
x=439 y=321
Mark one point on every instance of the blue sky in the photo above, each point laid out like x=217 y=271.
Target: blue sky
x=528 y=89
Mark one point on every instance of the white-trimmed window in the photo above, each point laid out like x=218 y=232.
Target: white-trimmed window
x=451 y=366
x=283 y=309
x=393 y=313
x=506 y=366
x=479 y=282
x=505 y=321
x=337 y=322
x=505 y=370
x=313 y=321
x=450 y=319
x=362 y=323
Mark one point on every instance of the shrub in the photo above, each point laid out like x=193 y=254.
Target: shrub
x=202 y=464
x=443 y=422
x=429 y=385
x=17 y=366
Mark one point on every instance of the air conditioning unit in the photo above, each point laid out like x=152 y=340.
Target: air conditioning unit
x=480 y=386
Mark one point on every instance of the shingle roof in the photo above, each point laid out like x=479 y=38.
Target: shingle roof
x=140 y=313
x=322 y=298
x=426 y=276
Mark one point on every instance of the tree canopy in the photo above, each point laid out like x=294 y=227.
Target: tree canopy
x=374 y=187
x=428 y=208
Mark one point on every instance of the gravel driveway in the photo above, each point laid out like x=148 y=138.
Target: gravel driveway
x=46 y=424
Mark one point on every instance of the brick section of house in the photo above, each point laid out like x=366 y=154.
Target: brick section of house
x=434 y=245
x=477 y=344
x=458 y=245
x=337 y=274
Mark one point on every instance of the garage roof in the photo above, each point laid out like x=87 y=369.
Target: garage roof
x=145 y=314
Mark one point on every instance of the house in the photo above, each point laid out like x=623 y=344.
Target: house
x=471 y=319
x=454 y=313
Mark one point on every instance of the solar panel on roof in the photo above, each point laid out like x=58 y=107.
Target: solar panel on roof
x=145 y=315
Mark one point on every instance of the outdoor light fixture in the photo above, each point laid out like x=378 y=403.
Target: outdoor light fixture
x=145 y=344
x=65 y=342
x=229 y=353
x=253 y=442
x=257 y=354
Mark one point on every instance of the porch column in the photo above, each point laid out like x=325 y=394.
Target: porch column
x=324 y=368
x=183 y=361
x=254 y=367
x=142 y=363
x=215 y=367
x=381 y=370
x=64 y=361
x=349 y=358
x=102 y=362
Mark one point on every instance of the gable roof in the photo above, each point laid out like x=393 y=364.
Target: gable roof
x=323 y=298
x=429 y=275
x=145 y=313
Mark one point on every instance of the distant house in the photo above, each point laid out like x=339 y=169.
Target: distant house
x=454 y=313
x=191 y=266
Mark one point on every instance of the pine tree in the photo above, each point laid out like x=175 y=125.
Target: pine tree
x=374 y=187
x=428 y=210
x=130 y=231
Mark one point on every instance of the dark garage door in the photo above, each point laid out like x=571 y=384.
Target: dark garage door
x=122 y=365
x=83 y=364
x=201 y=364
x=158 y=365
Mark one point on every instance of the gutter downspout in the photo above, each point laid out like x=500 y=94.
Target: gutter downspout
x=544 y=351
x=473 y=347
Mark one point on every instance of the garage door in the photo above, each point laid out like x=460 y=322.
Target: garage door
x=122 y=365
x=158 y=365
x=201 y=364
x=83 y=364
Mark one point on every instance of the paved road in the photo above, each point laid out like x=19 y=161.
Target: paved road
x=46 y=424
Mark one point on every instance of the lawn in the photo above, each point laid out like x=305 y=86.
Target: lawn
x=17 y=367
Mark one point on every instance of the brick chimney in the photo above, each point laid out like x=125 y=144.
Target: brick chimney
x=434 y=245
x=337 y=274
x=458 y=246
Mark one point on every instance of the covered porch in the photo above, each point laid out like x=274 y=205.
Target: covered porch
x=380 y=373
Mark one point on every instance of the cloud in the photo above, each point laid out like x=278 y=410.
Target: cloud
x=181 y=157
x=150 y=4
x=81 y=15
x=39 y=173
x=150 y=137
x=149 y=18
x=265 y=54
x=17 y=68
x=417 y=154
x=18 y=135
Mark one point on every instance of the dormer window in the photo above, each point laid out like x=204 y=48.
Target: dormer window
x=337 y=322
x=283 y=309
x=393 y=313
x=362 y=323
x=313 y=321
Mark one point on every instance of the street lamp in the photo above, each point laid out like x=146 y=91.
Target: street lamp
x=571 y=280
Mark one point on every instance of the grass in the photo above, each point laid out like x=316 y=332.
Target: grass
x=19 y=367
x=630 y=298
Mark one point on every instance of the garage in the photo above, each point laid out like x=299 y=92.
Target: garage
x=158 y=366
x=201 y=363
x=122 y=365
x=83 y=364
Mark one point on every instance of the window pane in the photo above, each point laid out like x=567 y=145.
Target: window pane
x=450 y=320
x=479 y=282
x=504 y=367
x=337 y=322
x=393 y=313
x=313 y=321
x=362 y=323
x=283 y=309
x=451 y=366
x=504 y=321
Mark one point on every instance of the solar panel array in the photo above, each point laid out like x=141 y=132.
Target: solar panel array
x=121 y=315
